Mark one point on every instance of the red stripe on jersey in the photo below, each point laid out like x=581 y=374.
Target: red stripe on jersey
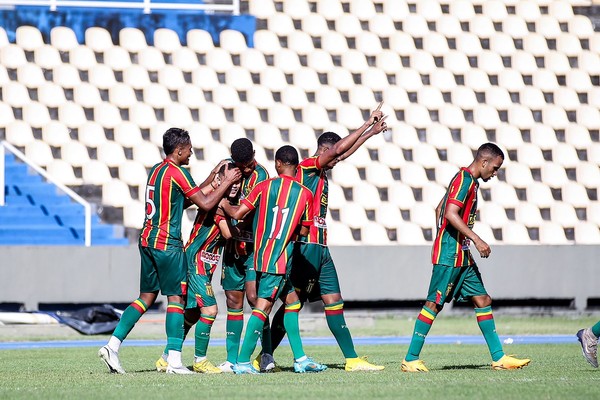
x=148 y=224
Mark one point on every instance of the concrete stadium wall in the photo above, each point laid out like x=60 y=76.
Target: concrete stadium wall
x=77 y=275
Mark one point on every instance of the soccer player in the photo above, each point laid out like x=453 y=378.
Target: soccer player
x=589 y=343
x=284 y=209
x=163 y=264
x=203 y=251
x=238 y=276
x=313 y=272
x=455 y=273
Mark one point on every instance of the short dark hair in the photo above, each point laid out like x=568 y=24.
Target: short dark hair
x=173 y=138
x=242 y=151
x=287 y=154
x=489 y=150
x=328 y=138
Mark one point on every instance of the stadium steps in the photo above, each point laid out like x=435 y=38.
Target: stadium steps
x=36 y=213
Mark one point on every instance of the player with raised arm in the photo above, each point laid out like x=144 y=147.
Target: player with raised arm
x=314 y=274
x=203 y=251
x=588 y=338
x=238 y=277
x=163 y=261
x=455 y=273
x=283 y=209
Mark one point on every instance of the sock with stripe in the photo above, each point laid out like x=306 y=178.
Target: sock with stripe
x=596 y=329
x=187 y=325
x=233 y=329
x=422 y=327
x=334 y=314
x=203 y=327
x=292 y=327
x=485 y=320
x=254 y=329
x=129 y=318
x=174 y=327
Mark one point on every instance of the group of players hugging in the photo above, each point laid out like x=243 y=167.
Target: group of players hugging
x=270 y=236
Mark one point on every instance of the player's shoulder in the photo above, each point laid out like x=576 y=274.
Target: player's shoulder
x=261 y=172
x=309 y=162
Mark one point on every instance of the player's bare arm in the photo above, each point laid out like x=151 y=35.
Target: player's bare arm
x=340 y=149
x=213 y=174
x=453 y=217
x=208 y=201
x=240 y=212
x=378 y=127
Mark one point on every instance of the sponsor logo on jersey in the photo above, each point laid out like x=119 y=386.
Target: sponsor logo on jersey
x=209 y=258
x=319 y=222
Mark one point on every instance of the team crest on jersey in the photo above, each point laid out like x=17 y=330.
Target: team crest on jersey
x=209 y=290
x=449 y=289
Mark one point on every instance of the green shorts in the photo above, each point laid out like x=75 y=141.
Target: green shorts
x=458 y=283
x=165 y=270
x=313 y=271
x=272 y=286
x=200 y=292
x=237 y=270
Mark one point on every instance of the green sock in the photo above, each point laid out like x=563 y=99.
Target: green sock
x=129 y=318
x=334 y=313
x=203 y=327
x=186 y=328
x=174 y=326
x=233 y=328
x=422 y=327
x=485 y=319
x=596 y=329
x=253 y=332
x=265 y=340
x=277 y=328
x=290 y=321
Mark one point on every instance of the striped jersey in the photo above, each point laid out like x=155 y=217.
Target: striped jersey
x=282 y=204
x=166 y=190
x=259 y=174
x=311 y=175
x=205 y=243
x=450 y=246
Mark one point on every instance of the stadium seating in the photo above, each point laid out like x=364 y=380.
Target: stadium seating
x=452 y=75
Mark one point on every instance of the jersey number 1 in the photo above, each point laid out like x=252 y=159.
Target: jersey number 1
x=279 y=216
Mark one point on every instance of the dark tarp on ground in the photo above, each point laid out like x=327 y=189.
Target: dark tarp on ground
x=91 y=320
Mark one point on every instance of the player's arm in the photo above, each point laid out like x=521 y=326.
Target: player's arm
x=438 y=211
x=453 y=217
x=378 y=127
x=224 y=223
x=239 y=212
x=341 y=147
x=210 y=200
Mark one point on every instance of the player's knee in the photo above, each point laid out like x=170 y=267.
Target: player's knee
x=251 y=297
x=234 y=299
x=482 y=301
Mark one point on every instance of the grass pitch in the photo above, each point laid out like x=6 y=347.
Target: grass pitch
x=457 y=371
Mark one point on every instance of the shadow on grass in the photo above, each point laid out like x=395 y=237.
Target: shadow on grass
x=457 y=367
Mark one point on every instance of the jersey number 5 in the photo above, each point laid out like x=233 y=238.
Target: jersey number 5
x=279 y=218
x=150 y=206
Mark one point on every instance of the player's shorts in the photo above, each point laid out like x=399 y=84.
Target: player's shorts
x=163 y=269
x=200 y=292
x=313 y=271
x=236 y=270
x=272 y=286
x=451 y=282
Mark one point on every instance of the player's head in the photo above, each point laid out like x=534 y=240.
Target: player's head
x=177 y=143
x=235 y=188
x=286 y=160
x=326 y=141
x=242 y=154
x=489 y=159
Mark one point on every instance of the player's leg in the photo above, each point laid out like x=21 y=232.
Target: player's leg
x=149 y=286
x=588 y=338
x=471 y=286
x=440 y=291
x=207 y=304
x=302 y=363
x=233 y=277
x=265 y=340
x=191 y=316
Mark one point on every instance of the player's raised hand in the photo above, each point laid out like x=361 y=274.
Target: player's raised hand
x=232 y=175
x=483 y=248
x=376 y=114
x=380 y=125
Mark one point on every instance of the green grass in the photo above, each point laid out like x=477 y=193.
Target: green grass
x=457 y=371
